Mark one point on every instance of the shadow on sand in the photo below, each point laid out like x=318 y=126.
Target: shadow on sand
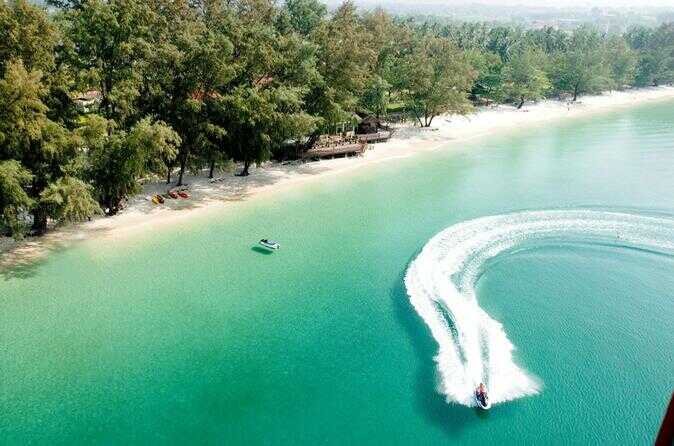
x=23 y=270
x=23 y=260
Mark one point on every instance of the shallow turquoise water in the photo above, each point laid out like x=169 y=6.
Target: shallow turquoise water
x=190 y=335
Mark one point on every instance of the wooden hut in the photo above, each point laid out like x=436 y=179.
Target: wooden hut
x=336 y=150
x=368 y=124
x=372 y=130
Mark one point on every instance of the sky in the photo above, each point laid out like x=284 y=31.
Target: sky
x=548 y=3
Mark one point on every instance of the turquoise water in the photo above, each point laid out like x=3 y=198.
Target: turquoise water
x=191 y=335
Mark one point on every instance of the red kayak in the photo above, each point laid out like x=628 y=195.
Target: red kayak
x=183 y=194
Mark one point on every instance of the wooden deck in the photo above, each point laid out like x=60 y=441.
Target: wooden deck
x=381 y=136
x=333 y=151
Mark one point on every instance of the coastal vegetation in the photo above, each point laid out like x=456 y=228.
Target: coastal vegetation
x=96 y=95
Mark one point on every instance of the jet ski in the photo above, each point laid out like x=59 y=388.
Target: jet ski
x=270 y=244
x=481 y=397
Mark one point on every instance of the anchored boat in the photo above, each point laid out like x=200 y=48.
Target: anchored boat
x=270 y=244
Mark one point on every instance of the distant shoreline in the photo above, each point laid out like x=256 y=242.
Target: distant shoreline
x=141 y=215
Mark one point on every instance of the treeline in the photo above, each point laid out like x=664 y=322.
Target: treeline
x=187 y=85
x=516 y=64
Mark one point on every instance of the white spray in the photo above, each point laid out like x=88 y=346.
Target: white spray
x=472 y=346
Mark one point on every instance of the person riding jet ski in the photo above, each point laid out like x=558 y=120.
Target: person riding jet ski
x=481 y=397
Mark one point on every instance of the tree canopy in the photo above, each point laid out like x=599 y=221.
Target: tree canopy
x=437 y=79
x=524 y=76
x=97 y=96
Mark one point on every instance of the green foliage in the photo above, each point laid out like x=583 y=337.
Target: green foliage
x=655 y=53
x=503 y=40
x=582 y=68
x=27 y=135
x=549 y=40
x=489 y=81
x=26 y=34
x=14 y=201
x=375 y=98
x=69 y=200
x=305 y=15
x=22 y=112
x=261 y=119
x=109 y=40
x=623 y=62
x=524 y=77
x=437 y=78
x=344 y=61
x=202 y=52
x=118 y=159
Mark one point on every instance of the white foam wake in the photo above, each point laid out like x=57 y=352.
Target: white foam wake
x=472 y=346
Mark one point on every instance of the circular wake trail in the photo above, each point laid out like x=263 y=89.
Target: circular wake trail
x=440 y=282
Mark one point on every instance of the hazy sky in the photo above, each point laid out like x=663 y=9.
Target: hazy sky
x=553 y=3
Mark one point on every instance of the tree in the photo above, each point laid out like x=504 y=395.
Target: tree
x=375 y=98
x=14 y=201
x=261 y=119
x=388 y=41
x=345 y=62
x=623 y=62
x=118 y=159
x=305 y=15
x=550 y=40
x=202 y=53
x=264 y=105
x=502 y=40
x=489 y=69
x=437 y=80
x=524 y=77
x=27 y=135
x=468 y=36
x=40 y=148
x=69 y=200
x=26 y=33
x=108 y=43
x=655 y=54
x=582 y=68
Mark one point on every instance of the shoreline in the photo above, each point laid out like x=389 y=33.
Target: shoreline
x=141 y=215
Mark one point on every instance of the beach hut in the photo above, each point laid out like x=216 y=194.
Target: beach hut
x=369 y=124
x=371 y=130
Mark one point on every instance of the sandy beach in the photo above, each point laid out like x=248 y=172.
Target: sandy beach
x=446 y=133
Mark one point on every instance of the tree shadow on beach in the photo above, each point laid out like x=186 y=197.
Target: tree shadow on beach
x=451 y=418
x=20 y=271
x=23 y=260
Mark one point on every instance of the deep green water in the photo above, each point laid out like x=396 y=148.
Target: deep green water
x=189 y=335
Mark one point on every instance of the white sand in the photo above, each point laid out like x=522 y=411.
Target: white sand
x=445 y=132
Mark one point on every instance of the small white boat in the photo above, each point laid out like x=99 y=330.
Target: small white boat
x=270 y=244
x=481 y=397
